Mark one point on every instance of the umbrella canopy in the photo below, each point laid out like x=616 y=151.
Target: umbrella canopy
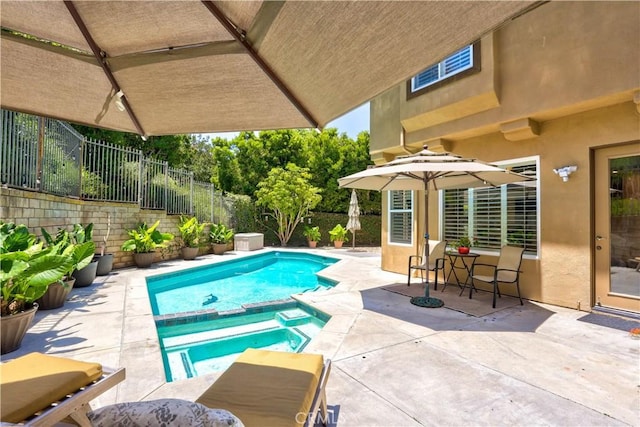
x=354 y=216
x=167 y=67
x=427 y=170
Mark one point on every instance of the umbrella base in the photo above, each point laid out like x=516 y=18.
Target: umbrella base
x=427 y=302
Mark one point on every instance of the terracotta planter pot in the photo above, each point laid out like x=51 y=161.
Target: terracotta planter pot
x=105 y=264
x=190 y=253
x=56 y=295
x=219 y=248
x=85 y=276
x=13 y=329
x=313 y=243
x=144 y=260
x=337 y=244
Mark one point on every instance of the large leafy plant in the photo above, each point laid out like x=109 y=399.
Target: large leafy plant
x=144 y=239
x=76 y=245
x=191 y=231
x=27 y=268
x=220 y=234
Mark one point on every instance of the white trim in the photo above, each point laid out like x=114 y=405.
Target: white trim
x=441 y=73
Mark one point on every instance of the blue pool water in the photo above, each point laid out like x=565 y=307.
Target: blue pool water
x=194 y=349
x=232 y=284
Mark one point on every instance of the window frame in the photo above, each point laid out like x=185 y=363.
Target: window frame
x=390 y=213
x=503 y=205
x=450 y=78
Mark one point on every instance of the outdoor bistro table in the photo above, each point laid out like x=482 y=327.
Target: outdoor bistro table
x=465 y=264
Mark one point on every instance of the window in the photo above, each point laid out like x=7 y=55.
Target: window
x=400 y=216
x=464 y=62
x=494 y=217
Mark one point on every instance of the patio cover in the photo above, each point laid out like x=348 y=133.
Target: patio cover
x=202 y=66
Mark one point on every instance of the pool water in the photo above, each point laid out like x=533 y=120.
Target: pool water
x=195 y=349
x=230 y=285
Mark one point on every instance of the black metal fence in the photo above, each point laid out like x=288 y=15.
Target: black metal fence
x=49 y=156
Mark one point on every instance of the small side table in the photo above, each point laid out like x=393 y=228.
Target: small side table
x=465 y=264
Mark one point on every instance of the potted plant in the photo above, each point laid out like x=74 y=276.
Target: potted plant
x=191 y=232
x=338 y=235
x=77 y=245
x=105 y=260
x=220 y=236
x=143 y=241
x=312 y=234
x=463 y=244
x=27 y=271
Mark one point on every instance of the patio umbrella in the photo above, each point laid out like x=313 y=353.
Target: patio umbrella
x=354 y=216
x=425 y=171
x=167 y=67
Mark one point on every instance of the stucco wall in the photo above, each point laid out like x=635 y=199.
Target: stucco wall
x=37 y=210
x=568 y=73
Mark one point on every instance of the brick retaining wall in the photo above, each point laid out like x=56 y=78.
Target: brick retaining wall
x=37 y=210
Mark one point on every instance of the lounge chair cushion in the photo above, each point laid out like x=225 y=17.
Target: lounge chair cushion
x=162 y=412
x=267 y=388
x=32 y=382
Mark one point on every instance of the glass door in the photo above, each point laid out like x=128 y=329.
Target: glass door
x=617 y=227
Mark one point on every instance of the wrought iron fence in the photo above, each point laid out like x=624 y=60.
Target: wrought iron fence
x=49 y=156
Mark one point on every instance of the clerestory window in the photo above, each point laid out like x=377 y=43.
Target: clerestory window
x=464 y=62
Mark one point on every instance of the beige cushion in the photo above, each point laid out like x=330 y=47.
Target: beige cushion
x=267 y=388
x=31 y=383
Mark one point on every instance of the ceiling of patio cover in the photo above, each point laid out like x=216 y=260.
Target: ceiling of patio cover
x=183 y=71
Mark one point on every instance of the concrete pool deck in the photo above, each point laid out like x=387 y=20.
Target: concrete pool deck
x=394 y=364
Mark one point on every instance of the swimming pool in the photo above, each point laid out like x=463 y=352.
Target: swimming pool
x=206 y=316
x=232 y=284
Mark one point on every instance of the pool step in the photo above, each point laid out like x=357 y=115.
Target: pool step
x=293 y=317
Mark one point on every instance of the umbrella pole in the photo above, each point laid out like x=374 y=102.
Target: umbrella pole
x=426 y=300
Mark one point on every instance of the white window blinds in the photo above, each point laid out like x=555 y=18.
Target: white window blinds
x=400 y=216
x=454 y=64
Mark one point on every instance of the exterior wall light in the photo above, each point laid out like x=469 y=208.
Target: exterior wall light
x=565 y=171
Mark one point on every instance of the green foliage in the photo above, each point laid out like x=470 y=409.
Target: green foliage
x=287 y=195
x=144 y=239
x=312 y=233
x=76 y=245
x=191 y=231
x=26 y=268
x=338 y=233
x=220 y=234
x=463 y=241
x=245 y=214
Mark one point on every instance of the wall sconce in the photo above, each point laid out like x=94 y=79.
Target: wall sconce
x=565 y=171
x=118 y=101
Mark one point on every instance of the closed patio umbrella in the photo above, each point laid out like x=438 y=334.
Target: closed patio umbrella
x=354 y=216
x=168 y=67
x=425 y=171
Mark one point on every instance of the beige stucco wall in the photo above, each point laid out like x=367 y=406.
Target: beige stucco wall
x=568 y=72
x=38 y=210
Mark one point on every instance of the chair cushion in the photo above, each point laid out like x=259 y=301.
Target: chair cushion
x=162 y=412
x=32 y=382
x=267 y=387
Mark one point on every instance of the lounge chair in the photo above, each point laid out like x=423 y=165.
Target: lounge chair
x=436 y=262
x=41 y=390
x=506 y=271
x=272 y=388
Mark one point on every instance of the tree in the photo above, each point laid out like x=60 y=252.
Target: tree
x=288 y=194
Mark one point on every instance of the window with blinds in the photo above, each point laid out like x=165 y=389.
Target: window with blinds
x=494 y=217
x=400 y=216
x=460 y=61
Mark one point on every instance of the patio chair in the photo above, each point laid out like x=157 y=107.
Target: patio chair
x=42 y=390
x=264 y=387
x=507 y=271
x=436 y=262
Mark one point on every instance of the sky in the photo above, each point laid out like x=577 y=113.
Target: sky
x=351 y=123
